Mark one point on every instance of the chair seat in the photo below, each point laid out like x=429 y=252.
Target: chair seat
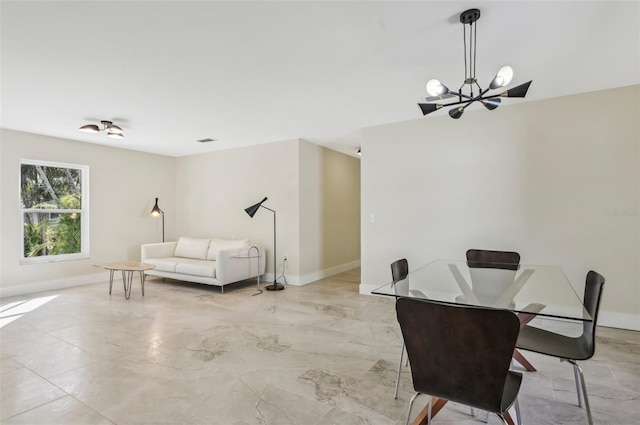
x=511 y=388
x=553 y=344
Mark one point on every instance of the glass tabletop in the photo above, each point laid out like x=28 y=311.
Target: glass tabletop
x=524 y=288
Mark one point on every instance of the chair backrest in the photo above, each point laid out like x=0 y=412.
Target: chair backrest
x=399 y=273
x=592 y=295
x=399 y=270
x=482 y=258
x=491 y=272
x=458 y=353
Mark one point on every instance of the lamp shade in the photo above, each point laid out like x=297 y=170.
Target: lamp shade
x=492 y=103
x=115 y=129
x=519 y=91
x=89 y=128
x=428 y=108
x=456 y=112
x=156 y=211
x=115 y=135
x=254 y=208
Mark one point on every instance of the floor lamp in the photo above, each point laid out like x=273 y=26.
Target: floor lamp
x=252 y=211
x=157 y=212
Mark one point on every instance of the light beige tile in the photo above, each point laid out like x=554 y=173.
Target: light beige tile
x=318 y=354
x=23 y=390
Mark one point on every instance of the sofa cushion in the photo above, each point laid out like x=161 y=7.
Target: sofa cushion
x=192 y=248
x=167 y=264
x=218 y=245
x=196 y=267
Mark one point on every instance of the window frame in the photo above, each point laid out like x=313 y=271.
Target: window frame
x=83 y=211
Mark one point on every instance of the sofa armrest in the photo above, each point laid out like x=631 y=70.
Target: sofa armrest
x=157 y=250
x=233 y=265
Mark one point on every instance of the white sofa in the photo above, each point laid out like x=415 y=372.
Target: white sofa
x=210 y=261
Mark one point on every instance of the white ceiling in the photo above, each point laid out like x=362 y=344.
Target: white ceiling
x=244 y=73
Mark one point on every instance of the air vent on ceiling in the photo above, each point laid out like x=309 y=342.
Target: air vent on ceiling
x=207 y=140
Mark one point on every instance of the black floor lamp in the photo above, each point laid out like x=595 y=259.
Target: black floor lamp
x=252 y=211
x=157 y=212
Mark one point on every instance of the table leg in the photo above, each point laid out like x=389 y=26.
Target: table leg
x=110 y=280
x=517 y=355
x=142 y=277
x=423 y=416
x=128 y=280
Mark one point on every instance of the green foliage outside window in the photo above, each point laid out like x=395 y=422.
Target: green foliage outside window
x=51 y=201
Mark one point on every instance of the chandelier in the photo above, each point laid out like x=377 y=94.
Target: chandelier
x=438 y=91
x=112 y=130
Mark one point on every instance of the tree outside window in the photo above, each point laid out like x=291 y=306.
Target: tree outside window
x=55 y=214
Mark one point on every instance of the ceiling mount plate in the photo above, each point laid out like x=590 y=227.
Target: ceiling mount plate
x=470 y=16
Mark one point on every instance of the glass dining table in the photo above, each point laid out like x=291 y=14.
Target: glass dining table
x=522 y=288
x=528 y=290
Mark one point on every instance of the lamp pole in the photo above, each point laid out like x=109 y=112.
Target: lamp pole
x=251 y=212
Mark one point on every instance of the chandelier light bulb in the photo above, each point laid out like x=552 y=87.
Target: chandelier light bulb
x=502 y=78
x=436 y=88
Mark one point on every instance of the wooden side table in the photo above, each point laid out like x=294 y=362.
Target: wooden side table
x=127 y=268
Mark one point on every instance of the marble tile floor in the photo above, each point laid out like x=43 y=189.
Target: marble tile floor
x=319 y=354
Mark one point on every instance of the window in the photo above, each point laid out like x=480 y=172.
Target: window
x=54 y=205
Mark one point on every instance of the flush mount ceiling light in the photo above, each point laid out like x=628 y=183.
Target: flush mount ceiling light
x=438 y=91
x=112 y=130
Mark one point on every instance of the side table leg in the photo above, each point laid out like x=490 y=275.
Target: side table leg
x=110 y=280
x=128 y=283
x=142 y=277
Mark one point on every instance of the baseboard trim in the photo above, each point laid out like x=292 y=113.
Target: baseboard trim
x=50 y=285
x=619 y=320
x=315 y=276
x=607 y=319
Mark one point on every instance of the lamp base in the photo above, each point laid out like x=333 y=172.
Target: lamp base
x=275 y=286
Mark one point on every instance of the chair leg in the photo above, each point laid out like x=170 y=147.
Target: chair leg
x=580 y=377
x=518 y=416
x=410 y=405
x=395 y=393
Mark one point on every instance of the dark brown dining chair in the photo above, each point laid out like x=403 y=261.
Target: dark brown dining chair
x=399 y=272
x=439 y=338
x=568 y=348
x=492 y=272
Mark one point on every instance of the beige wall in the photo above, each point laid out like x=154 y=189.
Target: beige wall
x=557 y=180
x=329 y=209
x=214 y=189
x=306 y=185
x=123 y=185
x=202 y=196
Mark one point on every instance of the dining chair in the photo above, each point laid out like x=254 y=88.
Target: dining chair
x=438 y=338
x=492 y=272
x=569 y=348
x=399 y=272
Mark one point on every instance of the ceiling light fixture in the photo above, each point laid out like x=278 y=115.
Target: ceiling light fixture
x=113 y=131
x=438 y=91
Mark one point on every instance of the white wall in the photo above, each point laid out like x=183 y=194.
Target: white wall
x=556 y=180
x=123 y=187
